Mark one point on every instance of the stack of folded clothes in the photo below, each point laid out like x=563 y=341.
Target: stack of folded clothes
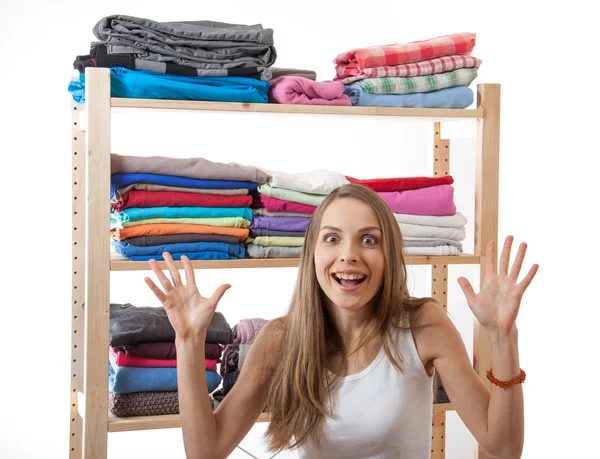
x=283 y=210
x=193 y=207
x=199 y=48
x=217 y=211
x=434 y=73
x=244 y=333
x=425 y=210
x=143 y=362
x=191 y=60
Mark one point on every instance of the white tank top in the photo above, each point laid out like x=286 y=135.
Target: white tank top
x=380 y=413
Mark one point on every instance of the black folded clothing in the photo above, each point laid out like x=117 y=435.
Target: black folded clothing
x=99 y=57
x=130 y=324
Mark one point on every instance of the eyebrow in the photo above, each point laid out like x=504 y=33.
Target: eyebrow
x=366 y=228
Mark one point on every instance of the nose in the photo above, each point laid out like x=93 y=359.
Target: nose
x=348 y=252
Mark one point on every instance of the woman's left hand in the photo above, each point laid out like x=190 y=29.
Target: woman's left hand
x=497 y=304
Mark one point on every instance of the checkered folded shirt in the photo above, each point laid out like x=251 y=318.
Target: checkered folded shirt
x=427 y=83
x=427 y=67
x=379 y=56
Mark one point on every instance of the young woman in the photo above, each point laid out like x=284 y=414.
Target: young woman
x=348 y=371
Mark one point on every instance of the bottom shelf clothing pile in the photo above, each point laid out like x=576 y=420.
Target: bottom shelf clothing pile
x=234 y=354
x=142 y=368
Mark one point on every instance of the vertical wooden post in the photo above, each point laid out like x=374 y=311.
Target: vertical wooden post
x=486 y=209
x=441 y=153
x=78 y=278
x=439 y=288
x=438 y=435
x=97 y=94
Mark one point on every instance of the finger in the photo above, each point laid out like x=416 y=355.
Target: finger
x=216 y=297
x=172 y=269
x=518 y=264
x=164 y=281
x=158 y=292
x=490 y=264
x=189 y=271
x=467 y=289
x=529 y=277
x=505 y=257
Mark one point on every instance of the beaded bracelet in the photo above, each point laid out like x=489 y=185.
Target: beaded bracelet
x=506 y=384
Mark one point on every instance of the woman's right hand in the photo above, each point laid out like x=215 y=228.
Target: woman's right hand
x=189 y=312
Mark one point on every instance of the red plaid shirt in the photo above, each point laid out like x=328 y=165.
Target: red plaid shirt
x=380 y=56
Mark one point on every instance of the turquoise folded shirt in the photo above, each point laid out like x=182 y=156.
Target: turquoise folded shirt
x=142 y=213
x=141 y=84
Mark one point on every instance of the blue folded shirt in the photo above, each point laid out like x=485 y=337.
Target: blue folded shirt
x=142 y=84
x=125 y=380
x=457 y=97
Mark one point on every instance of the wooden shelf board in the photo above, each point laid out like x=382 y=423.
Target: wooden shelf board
x=465 y=259
x=433 y=113
x=171 y=421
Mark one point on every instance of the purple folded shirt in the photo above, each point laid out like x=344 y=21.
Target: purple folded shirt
x=280 y=223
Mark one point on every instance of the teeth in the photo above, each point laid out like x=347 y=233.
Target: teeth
x=349 y=276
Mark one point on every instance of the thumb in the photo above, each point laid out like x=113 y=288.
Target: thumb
x=467 y=289
x=219 y=292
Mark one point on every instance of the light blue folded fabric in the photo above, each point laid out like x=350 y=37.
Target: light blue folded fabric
x=457 y=97
x=125 y=380
x=128 y=250
x=141 y=84
x=132 y=214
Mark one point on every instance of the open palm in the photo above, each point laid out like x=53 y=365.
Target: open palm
x=189 y=312
x=496 y=306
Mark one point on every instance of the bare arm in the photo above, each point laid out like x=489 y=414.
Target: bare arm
x=495 y=418
x=215 y=435
x=207 y=434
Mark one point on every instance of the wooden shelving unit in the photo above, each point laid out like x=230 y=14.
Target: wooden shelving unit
x=91 y=265
x=464 y=259
x=171 y=421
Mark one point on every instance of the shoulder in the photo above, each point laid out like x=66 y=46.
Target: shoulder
x=268 y=343
x=430 y=313
x=274 y=330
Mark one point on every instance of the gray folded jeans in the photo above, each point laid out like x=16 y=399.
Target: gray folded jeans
x=198 y=44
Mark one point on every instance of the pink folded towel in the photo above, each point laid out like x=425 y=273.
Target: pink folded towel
x=435 y=200
x=300 y=90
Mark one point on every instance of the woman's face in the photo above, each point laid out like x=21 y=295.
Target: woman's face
x=349 y=259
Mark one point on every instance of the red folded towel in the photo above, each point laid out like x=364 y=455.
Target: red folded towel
x=402 y=183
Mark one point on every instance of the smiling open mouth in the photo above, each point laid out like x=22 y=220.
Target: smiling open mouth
x=349 y=280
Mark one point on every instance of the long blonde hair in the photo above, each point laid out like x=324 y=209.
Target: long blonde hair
x=300 y=393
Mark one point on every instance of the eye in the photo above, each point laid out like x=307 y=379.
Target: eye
x=331 y=238
x=369 y=240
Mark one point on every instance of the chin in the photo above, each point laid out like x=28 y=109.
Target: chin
x=347 y=303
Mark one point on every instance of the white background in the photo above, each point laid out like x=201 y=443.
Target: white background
x=544 y=60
